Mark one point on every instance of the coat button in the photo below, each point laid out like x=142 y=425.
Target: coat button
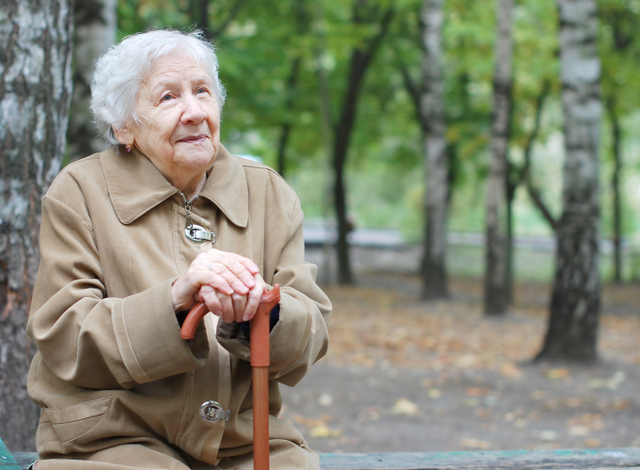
x=212 y=411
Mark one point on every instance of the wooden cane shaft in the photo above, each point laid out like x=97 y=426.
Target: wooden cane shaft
x=260 y=361
x=261 y=418
x=261 y=327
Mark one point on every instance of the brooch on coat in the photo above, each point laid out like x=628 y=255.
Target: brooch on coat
x=195 y=232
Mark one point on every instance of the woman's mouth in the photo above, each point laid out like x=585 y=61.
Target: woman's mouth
x=193 y=139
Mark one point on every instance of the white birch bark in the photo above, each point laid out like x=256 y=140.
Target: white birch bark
x=94 y=34
x=496 y=294
x=434 y=275
x=35 y=88
x=575 y=301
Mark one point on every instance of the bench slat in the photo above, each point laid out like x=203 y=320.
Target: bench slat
x=25 y=459
x=7 y=462
x=596 y=459
x=583 y=459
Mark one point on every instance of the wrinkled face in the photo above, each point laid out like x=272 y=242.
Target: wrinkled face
x=180 y=119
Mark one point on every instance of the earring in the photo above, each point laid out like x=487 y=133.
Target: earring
x=127 y=147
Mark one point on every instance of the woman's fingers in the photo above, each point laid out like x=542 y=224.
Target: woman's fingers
x=235 y=307
x=239 y=304
x=228 y=314
x=214 y=280
x=225 y=273
x=237 y=270
x=234 y=279
x=253 y=299
x=211 y=299
x=184 y=291
x=224 y=306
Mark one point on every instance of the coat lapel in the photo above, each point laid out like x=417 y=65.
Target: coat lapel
x=136 y=186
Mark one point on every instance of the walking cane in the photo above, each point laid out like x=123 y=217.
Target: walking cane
x=260 y=362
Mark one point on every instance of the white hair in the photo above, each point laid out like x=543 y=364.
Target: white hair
x=120 y=71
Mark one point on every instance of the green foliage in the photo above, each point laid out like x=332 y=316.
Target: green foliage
x=619 y=45
x=140 y=15
x=266 y=42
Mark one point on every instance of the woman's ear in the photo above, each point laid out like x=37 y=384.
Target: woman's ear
x=124 y=135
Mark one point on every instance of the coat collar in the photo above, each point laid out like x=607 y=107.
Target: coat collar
x=136 y=186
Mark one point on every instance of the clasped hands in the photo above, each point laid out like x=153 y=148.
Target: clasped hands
x=229 y=284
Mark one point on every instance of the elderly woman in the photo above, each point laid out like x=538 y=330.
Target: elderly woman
x=131 y=239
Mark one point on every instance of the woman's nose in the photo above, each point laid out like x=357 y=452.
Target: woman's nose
x=193 y=110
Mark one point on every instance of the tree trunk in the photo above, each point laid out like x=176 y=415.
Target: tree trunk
x=35 y=90
x=616 y=138
x=575 y=299
x=525 y=172
x=324 y=95
x=285 y=129
x=509 y=258
x=203 y=16
x=359 y=63
x=95 y=33
x=432 y=113
x=302 y=21
x=496 y=280
x=199 y=12
x=520 y=175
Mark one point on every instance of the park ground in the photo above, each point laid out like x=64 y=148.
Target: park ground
x=405 y=375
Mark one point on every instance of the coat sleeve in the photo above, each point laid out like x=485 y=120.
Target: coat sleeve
x=300 y=337
x=87 y=338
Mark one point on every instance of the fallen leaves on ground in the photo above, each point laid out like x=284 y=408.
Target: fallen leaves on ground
x=379 y=326
x=371 y=326
x=558 y=373
x=318 y=427
x=611 y=383
x=404 y=406
x=476 y=444
x=468 y=358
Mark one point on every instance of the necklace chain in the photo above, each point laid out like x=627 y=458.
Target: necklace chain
x=187 y=207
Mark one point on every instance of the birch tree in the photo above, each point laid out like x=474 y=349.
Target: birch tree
x=432 y=115
x=496 y=293
x=95 y=33
x=35 y=90
x=575 y=299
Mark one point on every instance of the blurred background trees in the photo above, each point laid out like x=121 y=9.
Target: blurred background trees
x=94 y=33
x=433 y=118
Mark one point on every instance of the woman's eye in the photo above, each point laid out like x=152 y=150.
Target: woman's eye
x=167 y=97
x=201 y=90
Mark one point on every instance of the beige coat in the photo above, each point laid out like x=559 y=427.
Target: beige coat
x=111 y=367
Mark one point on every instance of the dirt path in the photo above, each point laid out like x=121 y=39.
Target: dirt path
x=407 y=376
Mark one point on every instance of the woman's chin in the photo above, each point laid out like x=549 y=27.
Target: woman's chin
x=197 y=156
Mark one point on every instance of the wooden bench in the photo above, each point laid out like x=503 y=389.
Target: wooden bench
x=600 y=459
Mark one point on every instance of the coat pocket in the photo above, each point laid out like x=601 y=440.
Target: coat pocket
x=73 y=422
